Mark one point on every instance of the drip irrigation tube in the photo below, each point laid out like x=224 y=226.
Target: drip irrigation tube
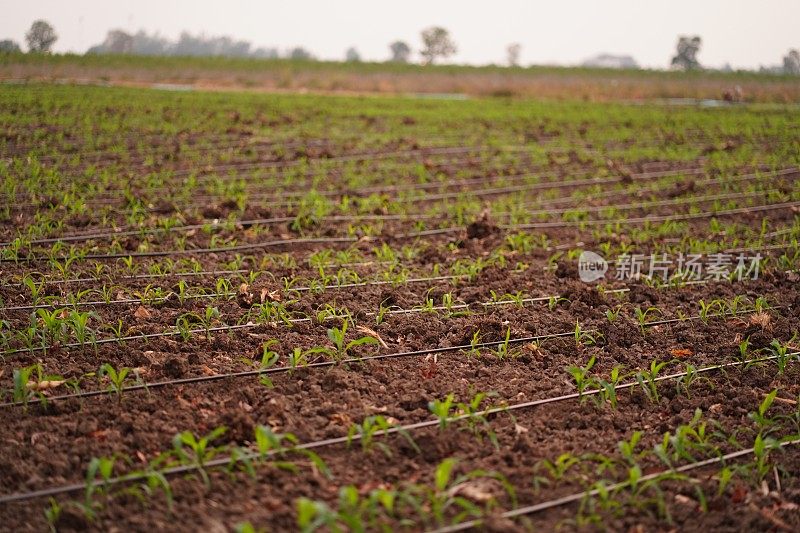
x=224 y=461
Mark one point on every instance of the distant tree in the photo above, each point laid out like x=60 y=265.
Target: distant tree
x=436 y=42
x=265 y=53
x=8 y=46
x=791 y=63
x=41 y=36
x=300 y=53
x=140 y=43
x=686 y=57
x=352 y=55
x=401 y=52
x=512 y=53
x=118 y=42
x=147 y=45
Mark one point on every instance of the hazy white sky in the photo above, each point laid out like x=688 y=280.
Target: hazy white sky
x=743 y=33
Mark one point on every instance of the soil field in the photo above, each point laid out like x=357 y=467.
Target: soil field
x=244 y=312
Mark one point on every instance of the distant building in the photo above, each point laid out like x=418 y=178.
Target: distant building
x=610 y=61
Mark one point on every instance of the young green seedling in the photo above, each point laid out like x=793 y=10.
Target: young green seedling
x=343 y=348
x=373 y=426
x=116 y=377
x=612 y=314
x=643 y=316
x=648 y=380
x=441 y=409
x=268 y=359
x=502 y=350
x=197 y=451
x=581 y=377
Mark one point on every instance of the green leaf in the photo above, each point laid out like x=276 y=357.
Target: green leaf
x=443 y=472
x=767 y=402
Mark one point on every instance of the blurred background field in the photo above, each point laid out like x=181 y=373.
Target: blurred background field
x=561 y=83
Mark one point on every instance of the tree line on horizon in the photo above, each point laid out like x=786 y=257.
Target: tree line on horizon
x=436 y=44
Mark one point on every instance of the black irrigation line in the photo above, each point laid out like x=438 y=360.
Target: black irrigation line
x=238 y=248
x=435 y=150
x=580 y=496
x=328 y=363
x=106 y=198
x=110 y=278
x=653 y=203
x=363 y=156
x=234 y=327
x=413 y=235
x=224 y=461
x=215 y=329
x=485 y=192
x=449 y=159
x=207 y=140
x=225 y=272
x=187 y=273
x=721 y=180
x=128 y=231
x=542 y=185
x=172 y=296
x=317 y=364
x=476 y=192
x=656 y=218
x=356 y=156
x=135 y=277
x=297 y=194
x=402 y=156
x=296 y=289
x=132 y=301
x=770 y=247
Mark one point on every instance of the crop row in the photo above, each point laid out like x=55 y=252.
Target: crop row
x=536 y=208
x=28 y=381
x=676 y=452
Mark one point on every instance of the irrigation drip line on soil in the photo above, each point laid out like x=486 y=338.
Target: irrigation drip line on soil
x=328 y=363
x=174 y=333
x=238 y=271
x=414 y=235
x=203 y=200
x=110 y=278
x=657 y=218
x=579 y=496
x=172 y=296
x=204 y=171
x=238 y=248
x=317 y=364
x=123 y=232
x=105 y=197
x=476 y=151
x=222 y=224
x=497 y=150
x=168 y=148
x=138 y=154
x=224 y=461
x=202 y=141
x=147 y=143
x=482 y=192
x=257 y=190
x=136 y=277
